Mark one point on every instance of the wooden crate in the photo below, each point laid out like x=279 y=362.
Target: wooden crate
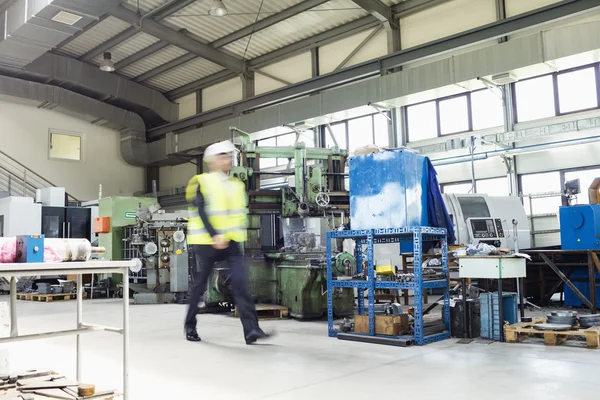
x=521 y=331
x=268 y=311
x=46 y=298
x=389 y=325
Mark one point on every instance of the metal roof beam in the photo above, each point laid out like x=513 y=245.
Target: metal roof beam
x=140 y=54
x=109 y=44
x=210 y=80
x=332 y=35
x=170 y=9
x=177 y=39
x=410 y=7
x=165 y=67
x=553 y=12
x=267 y=22
x=377 y=9
x=260 y=25
x=329 y=36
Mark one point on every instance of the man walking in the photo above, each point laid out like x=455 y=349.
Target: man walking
x=216 y=232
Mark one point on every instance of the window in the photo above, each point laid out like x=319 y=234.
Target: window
x=382 y=138
x=586 y=177
x=339 y=134
x=493 y=187
x=454 y=115
x=535 y=98
x=422 y=121
x=360 y=132
x=547 y=182
x=487 y=109
x=457 y=188
x=65 y=146
x=577 y=90
x=267 y=162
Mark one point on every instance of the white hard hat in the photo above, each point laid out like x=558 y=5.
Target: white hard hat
x=223 y=147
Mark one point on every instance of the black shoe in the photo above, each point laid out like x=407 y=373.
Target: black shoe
x=192 y=336
x=256 y=334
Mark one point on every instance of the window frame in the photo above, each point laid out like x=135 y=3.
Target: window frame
x=438 y=117
x=596 y=68
x=65 y=133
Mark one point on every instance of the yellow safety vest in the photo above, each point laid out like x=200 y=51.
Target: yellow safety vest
x=225 y=204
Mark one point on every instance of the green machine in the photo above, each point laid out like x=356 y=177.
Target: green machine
x=311 y=201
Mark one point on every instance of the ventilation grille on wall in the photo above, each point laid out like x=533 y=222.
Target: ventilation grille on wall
x=66 y=18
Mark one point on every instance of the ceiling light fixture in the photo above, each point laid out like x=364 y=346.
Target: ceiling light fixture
x=107 y=64
x=217 y=9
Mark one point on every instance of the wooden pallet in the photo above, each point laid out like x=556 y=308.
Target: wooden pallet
x=518 y=332
x=268 y=311
x=46 y=298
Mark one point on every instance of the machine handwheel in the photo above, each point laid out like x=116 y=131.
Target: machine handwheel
x=322 y=199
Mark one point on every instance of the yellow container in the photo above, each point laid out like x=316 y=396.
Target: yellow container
x=385 y=270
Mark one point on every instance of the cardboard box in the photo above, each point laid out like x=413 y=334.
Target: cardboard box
x=389 y=325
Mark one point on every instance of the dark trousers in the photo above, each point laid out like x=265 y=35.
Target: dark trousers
x=206 y=256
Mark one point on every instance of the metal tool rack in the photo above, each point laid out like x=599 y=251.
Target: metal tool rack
x=12 y=270
x=418 y=235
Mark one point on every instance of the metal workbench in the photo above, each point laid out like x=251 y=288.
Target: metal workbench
x=13 y=270
x=371 y=237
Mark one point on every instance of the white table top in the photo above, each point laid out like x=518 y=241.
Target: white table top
x=55 y=268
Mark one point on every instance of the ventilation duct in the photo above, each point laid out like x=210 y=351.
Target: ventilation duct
x=88 y=80
x=134 y=149
x=30 y=28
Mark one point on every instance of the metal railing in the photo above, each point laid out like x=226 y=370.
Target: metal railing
x=18 y=180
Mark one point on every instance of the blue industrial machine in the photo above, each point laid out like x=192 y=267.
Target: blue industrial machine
x=30 y=249
x=580 y=227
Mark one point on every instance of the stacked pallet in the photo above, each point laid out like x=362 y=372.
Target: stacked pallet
x=39 y=385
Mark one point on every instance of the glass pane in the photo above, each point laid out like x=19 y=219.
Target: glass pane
x=535 y=98
x=308 y=137
x=474 y=207
x=422 y=121
x=585 y=180
x=454 y=115
x=339 y=133
x=267 y=142
x=50 y=226
x=360 y=132
x=288 y=139
x=577 y=90
x=457 y=188
x=493 y=187
x=540 y=183
x=487 y=109
x=66 y=147
x=382 y=138
x=548 y=182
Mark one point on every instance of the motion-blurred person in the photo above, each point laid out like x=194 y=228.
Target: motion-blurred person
x=216 y=232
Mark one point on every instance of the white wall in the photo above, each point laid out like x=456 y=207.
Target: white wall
x=514 y=7
x=24 y=137
x=331 y=55
x=176 y=176
x=187 y=105
x=445 y=20
x=221 y=94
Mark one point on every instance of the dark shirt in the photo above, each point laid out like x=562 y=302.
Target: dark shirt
x=200 y=203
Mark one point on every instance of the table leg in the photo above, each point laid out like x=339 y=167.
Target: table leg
x=592 y=283
x=14 y=331
x=500 y=310
x=521 y=296
x=464 y=304
x=79 y=322
x=126 y=334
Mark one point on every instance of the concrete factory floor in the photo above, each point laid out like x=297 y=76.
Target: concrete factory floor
x=300 y=363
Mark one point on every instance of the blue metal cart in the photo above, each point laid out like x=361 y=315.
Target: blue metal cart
x=371 y=237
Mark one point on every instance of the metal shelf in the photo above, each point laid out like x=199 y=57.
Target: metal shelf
x=416 y=235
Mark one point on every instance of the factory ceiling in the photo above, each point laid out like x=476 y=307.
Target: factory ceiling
x=165 y=49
